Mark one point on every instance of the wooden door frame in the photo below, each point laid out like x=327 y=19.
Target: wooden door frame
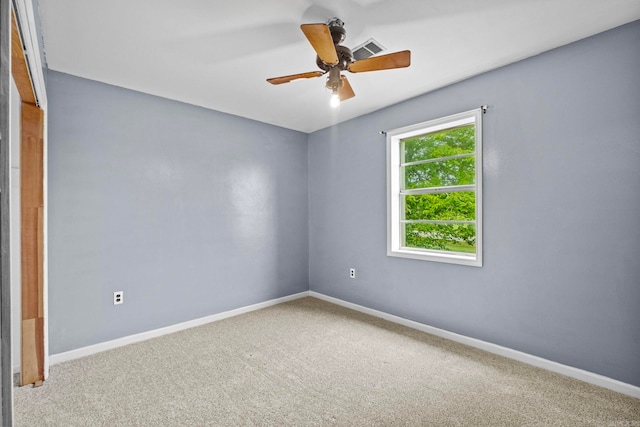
x=33 y=68
x=32 y=207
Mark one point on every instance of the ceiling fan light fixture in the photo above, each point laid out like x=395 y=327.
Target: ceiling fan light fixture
x=335 y=99
x=334 y=83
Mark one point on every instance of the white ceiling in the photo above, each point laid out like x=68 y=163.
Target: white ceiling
x=217 y=54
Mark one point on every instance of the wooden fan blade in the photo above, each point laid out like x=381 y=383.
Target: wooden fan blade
x=383 y=62
x=320 y=38
x=287 y=79
x=345 y=92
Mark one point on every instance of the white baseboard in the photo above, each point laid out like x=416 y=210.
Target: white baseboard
x=119 y=342
x=569 y=371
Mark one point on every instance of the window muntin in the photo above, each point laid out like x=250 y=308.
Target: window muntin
x=440 y=173
x=434 y=190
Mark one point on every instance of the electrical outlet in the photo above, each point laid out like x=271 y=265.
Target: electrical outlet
x=118 y=297
x=352 y=273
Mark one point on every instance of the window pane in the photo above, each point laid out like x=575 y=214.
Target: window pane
x=457 y=206
x=450 y=238
x=440 y=174
x=449 y=142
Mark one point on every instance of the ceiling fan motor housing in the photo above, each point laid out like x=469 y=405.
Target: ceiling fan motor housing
x=345 y=57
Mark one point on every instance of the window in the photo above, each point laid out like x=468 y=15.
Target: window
x=434 y=186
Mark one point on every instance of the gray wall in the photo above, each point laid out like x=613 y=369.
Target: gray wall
x=561 y=276
x=190 y=212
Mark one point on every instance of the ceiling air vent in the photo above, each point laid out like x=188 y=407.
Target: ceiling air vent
x=367 y=49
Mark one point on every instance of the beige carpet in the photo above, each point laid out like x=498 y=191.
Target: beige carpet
x=308 y=362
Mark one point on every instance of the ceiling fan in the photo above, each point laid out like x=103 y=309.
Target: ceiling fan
x=333 y=58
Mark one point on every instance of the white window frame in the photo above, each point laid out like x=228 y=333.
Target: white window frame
x=394 y=205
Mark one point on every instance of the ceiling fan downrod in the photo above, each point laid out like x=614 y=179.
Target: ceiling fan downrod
x=336 y=27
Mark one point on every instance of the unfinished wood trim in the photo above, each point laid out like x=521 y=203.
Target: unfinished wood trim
x=29 y=355
x=19 y=68
x=40 y=260
x=33 y=351
x=32 y=242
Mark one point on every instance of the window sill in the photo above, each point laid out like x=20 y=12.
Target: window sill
x=450 y=258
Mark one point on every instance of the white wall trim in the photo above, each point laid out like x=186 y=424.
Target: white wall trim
x=119 y=342
x=569 y=371
x=25 y=15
